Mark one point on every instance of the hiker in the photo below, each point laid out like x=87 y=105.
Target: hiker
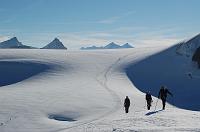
x=126 y=104
x=190 y=75
x=149 y=100
x=163 y=95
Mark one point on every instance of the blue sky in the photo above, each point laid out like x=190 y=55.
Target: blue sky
x=80 y=23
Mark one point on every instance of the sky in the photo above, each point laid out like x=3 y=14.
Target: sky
x=79 y=23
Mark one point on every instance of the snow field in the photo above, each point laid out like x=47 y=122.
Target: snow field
x=84 y=91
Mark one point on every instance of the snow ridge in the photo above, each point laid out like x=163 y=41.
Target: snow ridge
x=188 y=48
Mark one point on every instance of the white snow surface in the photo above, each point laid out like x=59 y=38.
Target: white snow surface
x=83 y=91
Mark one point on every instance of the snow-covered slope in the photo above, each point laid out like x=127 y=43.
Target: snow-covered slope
x=13 y=42
x=176 y=72
x=55 y=44
x=84 y=91
x=188 y=48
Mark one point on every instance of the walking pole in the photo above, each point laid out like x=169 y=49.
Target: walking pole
x=173 y=104
x=156 y=104
x=144 y=104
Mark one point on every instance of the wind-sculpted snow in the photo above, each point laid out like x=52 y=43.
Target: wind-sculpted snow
x=172 y=70
x=15 y=71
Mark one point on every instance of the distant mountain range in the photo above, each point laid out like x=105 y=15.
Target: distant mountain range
x=111 y=45
x=13 y=43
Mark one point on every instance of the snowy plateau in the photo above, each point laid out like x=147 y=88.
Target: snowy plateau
x=83 y=91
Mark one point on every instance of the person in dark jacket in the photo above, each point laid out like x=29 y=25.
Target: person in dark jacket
x=149 y=100
x=126 y=104
x=163 y=95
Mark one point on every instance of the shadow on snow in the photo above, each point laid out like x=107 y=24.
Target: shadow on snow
x=152 y=112
x=169 y=69
x=61 y=118
x=12 y=71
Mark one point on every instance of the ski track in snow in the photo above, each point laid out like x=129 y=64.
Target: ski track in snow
x=92 y=125
x=103 y=83
x=110 y=119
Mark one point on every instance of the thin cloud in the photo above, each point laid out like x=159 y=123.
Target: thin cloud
x=138 y=36
x=100 y=34
x=109 y=20
x=4 y=38
x=115 y=18
x=156 y=41
x=101 y=38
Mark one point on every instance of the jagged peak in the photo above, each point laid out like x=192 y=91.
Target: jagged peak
x=55 y=44
x=12 y=39
x=112 y=43
x=126 y=44
x=56 y=39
